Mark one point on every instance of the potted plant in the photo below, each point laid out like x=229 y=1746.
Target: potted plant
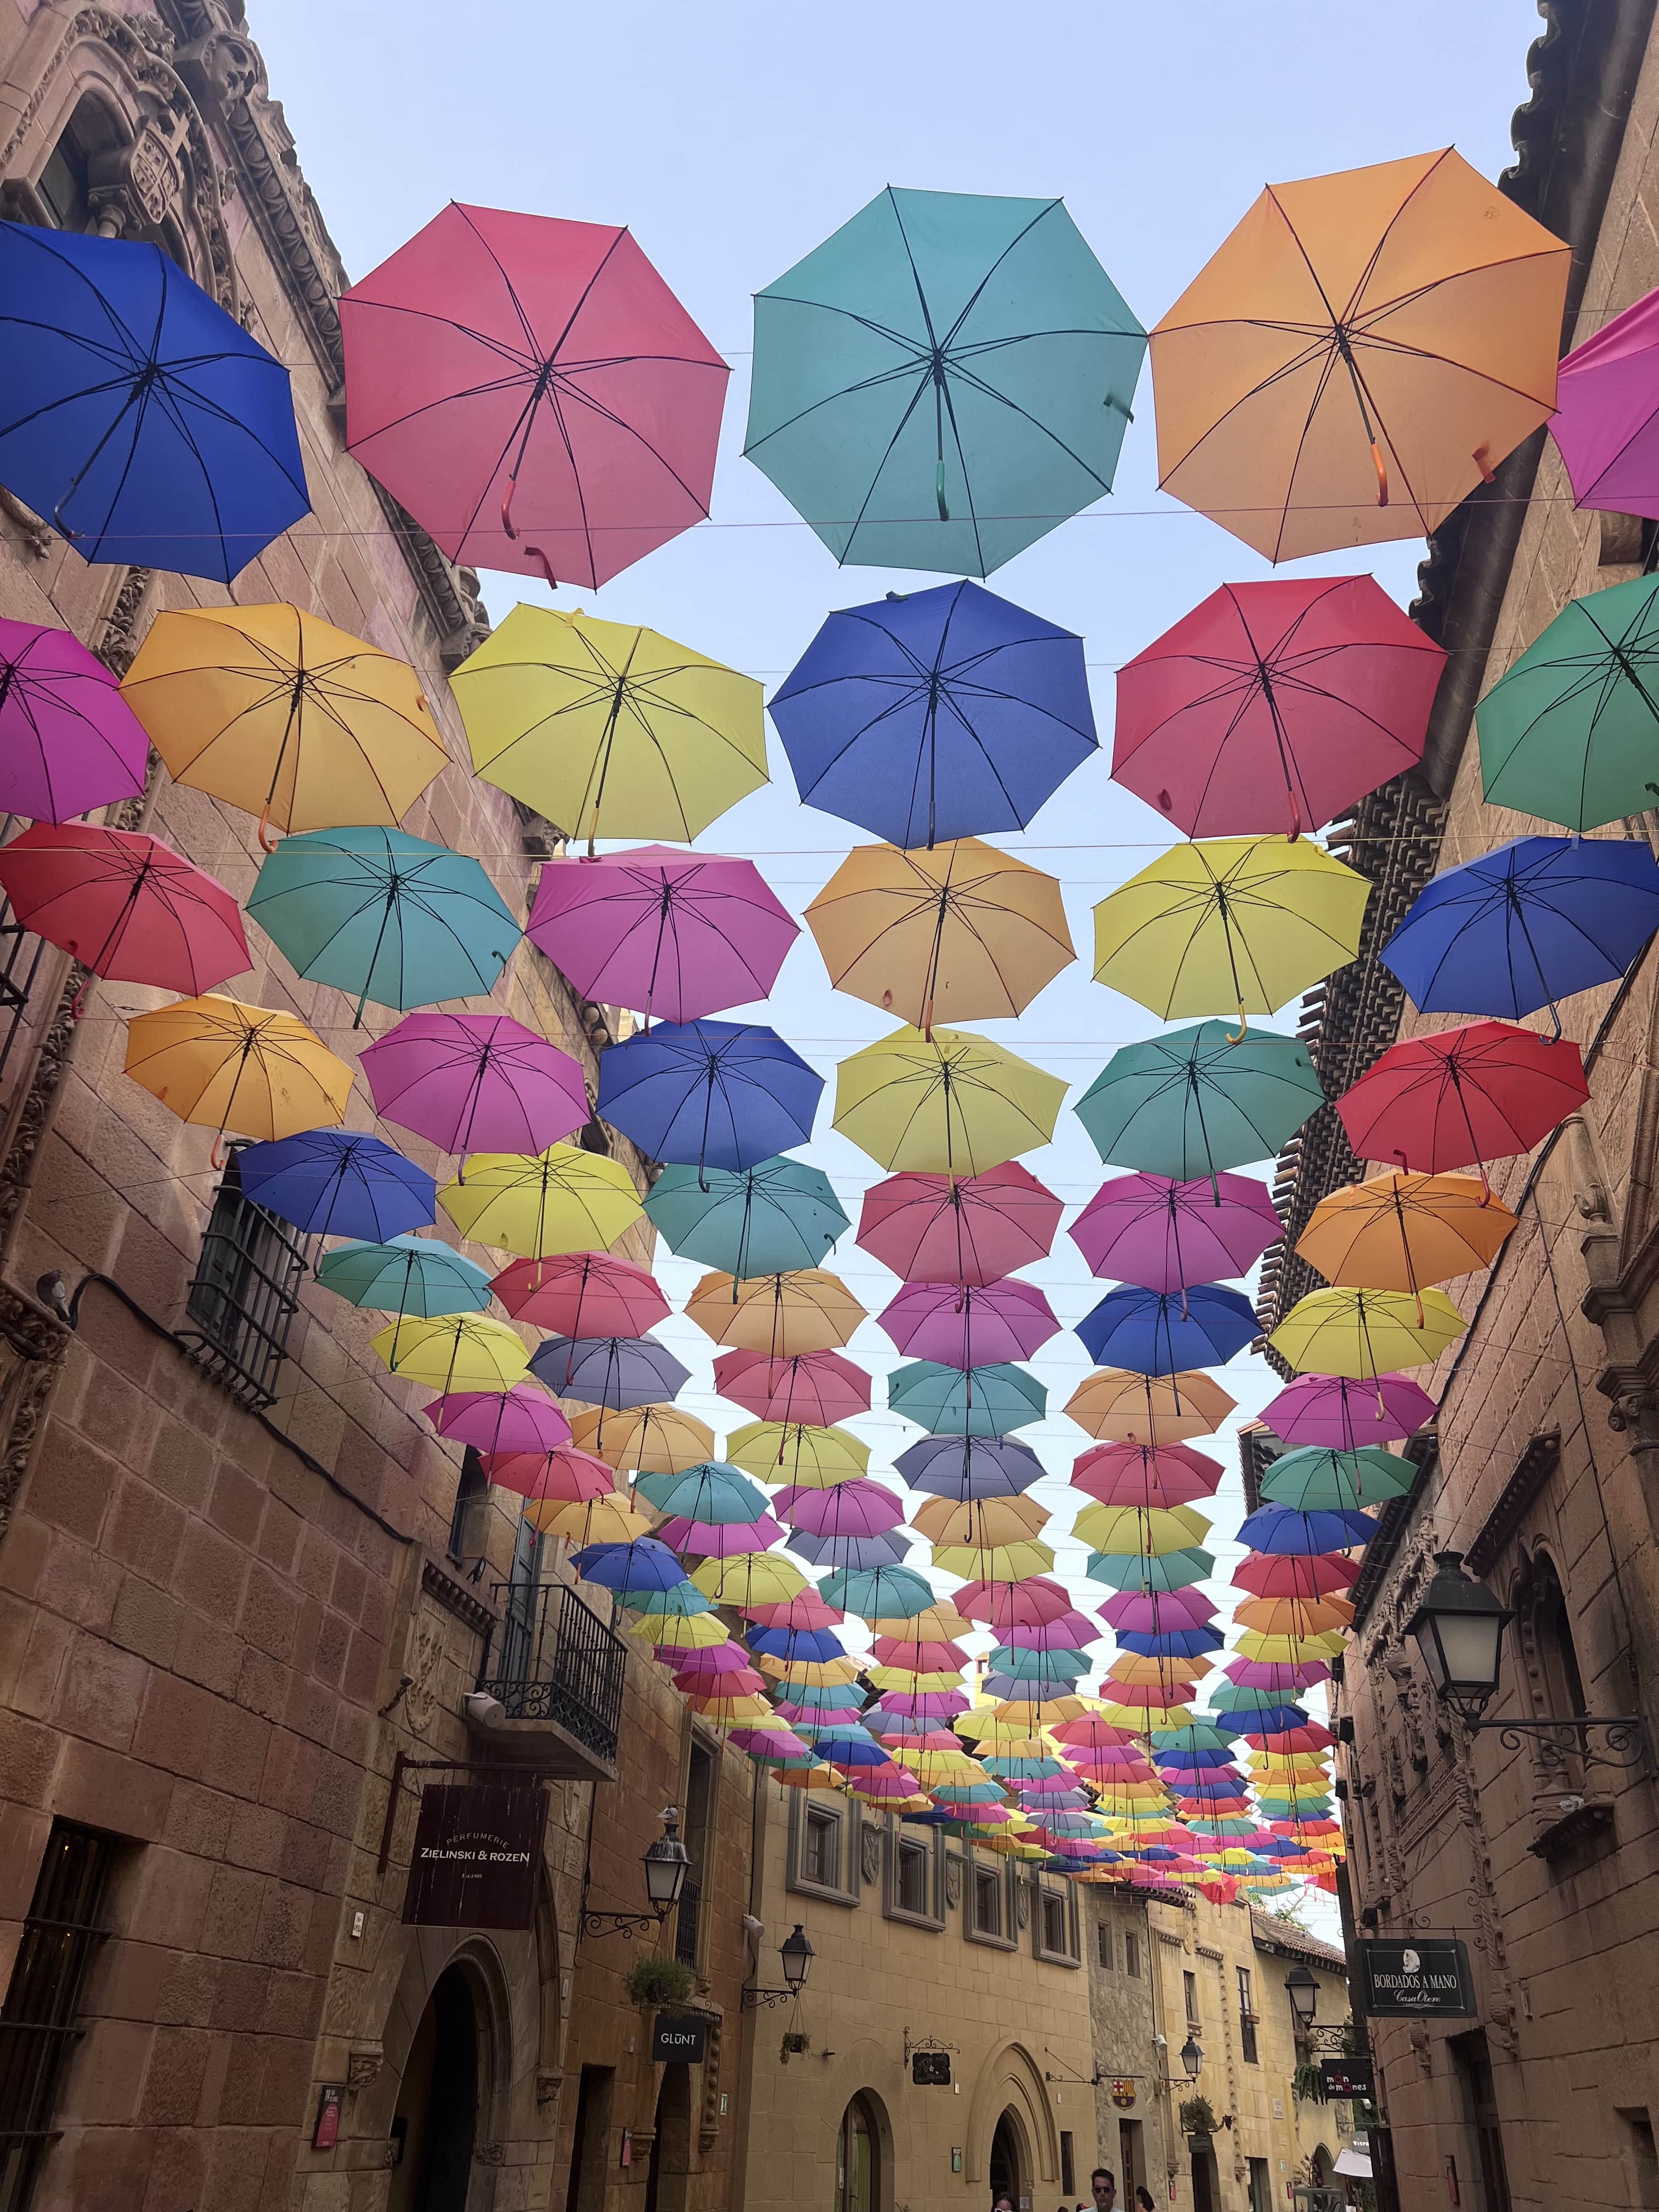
x=1308 y=2083
x=1198 y=2121
x=659 y=1982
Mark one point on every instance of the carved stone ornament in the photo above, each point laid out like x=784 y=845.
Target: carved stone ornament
x=1023 y=1905
x=952 y=1883
x=495 y=2153
x=870 y=1853
x=363 y=2064
x=548 y=2085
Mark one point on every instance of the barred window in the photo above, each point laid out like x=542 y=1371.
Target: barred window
x=245 y=1294
x=988 y=1902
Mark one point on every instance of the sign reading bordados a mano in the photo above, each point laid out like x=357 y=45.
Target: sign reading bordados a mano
x=1427 y=1978
x=477 y=1847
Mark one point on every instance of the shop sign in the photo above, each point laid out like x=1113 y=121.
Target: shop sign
x=1427 y=1979
x=477 y=1850
x=678 y=2040
x=1123 y=2095
x=1349 y=2077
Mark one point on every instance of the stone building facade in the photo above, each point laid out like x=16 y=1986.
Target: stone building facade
x=1131 y=2109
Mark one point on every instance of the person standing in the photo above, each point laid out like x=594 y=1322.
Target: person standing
x=1103 y=2182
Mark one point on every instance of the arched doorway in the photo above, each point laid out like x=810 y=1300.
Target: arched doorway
x=668 y=2175
x=1010 y=2171
x=857 y=2160
x=437 y=2113
x=1204 y=2196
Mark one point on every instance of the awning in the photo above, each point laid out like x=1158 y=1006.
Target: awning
x=1355 y=2162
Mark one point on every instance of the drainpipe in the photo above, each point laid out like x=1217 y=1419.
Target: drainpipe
x=749 y=2022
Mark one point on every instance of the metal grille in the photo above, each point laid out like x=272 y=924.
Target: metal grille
x=685 y=1925
x=560 y=1663
x=21 y=955
x=245 y=1294
x=37 y=2020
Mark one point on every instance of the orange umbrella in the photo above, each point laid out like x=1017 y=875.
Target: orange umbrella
x=644 y=1439
x=1397 y=1232
x=808 y=1310
x=1120 y=1407
x=1292 y=1616
x=1360 y=353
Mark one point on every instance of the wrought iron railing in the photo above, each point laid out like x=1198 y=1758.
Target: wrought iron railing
x=685 y=1926
x=241 y=1304
x=555 y=1660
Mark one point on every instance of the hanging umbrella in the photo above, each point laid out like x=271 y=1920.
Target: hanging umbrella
x=1360 y=352
x=562 y=1475
x=498 y=1422
x=959 y=1229
x=853 y=1554
x=969 y=1467
x=664 y=933
x=708 y=1094
x=1531 y=922
x=1275 y=705
x=804 y=1610
x=1397 y=1232
x=1459 y=1097
x=1172 y=1643
x=226 y=1066
x=879 y=1593
x=1169 y=1571
x=641 y=1567
x=764 y=1220
x=1364 y=1333
x=750 y=1579
x=613 y=1371
x=531 y=390
x=648 y=1439
x=817 y=1388
x=677 y=1602
x=973 y=1401
x=610 y=729
x=281 y=713
x=582 y=1294
x=1120 y=1406
x=142 y=421
x=563 y=1199
x=69 y=741
x=1344 y=1413
x=1276 y=1528
x=1340 y=1480
x=1248 y=922
x=958 y=930
x=711 y=1491
x=1000 y=1521
x=587 y=1521
x=720 y=1540
x=1159 y=1613
x=1128 y=1529
x=1143 y=1475
x=858 y=1508
x=475 y=1081
x=1165 y=1235
x=953 y=1103
x=1161 y=1332
x=1198 y=1100
x=970 y=1326
x=384 y=916
x=799 y=1454
x=1604 y=419
x=808 y=1310
x=401 y=1274
x=1296 y=1578
x=789 y=1643
x=128 y=906
x=1291 y=1616
x=459 y=1352
x=338 y=1182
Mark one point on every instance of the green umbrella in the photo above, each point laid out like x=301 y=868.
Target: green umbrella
x=713 y=1491
x=1194 y=1102
x=878 y=1593
x=1317 y=1480
x=1134 y=1570
x=765 y=1220
x=406 y=1275
x=973 y=1401
x=1571 y=732
x=943 y=380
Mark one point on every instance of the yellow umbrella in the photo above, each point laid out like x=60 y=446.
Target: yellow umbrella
x=226 y=1066
x=907 y=1679
x=607 y=729
x=980 y=1521
x=751 y=1579
x=278 y=712
x=1146 y=1667
x=808 y=1310
x=599 y=1521
x=815 y=1673
x=814 y=1459
x=1120 y=1407
x=1396 y=1232
x=948 y=1104
x=643 y=1439
x=1364 y=1333
x=691 y=1632
x=960 y=931
x=1039 y=1713
x=1288 y=1651
x=563 y=1199
x=994 y=1563
x=1014 y=1738
x=1142 y=1717
x=731 y=1712
x=935 y=1624
x=1150 y=1531
x=1225 y=923
x=459 y=1352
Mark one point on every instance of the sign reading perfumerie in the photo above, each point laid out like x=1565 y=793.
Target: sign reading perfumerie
x=1426 y=1979
x=477 y=1848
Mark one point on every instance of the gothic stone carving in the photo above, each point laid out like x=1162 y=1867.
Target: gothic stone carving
x=33 y=1345
x=870 y=1853
x=363 y=2064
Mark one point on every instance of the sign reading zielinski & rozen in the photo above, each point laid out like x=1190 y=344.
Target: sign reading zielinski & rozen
x=476 y=1850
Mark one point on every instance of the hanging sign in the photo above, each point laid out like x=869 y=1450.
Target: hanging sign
x=1349 y=2077
x=478 y=1849
x=1123 y=2095
x=678 y=2040
x=1428 y=1978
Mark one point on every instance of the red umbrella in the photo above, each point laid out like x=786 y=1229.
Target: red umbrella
x=1285 y=1575
x=808 y=1611
x=1460 y=1096
x=967 y=1325
x=1275 y=705
x=959 y=1229
x=563 y=1475
x=127 y=906
x=532 y=392
x=582 y=1294
x=1012 y=1605
x=817 y=1388
x=1134 y=1474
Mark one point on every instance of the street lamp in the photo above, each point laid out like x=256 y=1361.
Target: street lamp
x=797 y=1955
x=666 y=1863
x=1192 y=2057
x=1458 y=1628
x=1303 y=1994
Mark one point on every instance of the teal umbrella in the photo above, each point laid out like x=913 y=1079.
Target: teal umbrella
x=1315 y=1479
x=878 y=1593
x=1134 y=1570
x=764 y=1220
x=411 y=1275
x=384 y=916
x=713 y=1491
x=943 y=380
x=1196 y=1101
x=973 y=1401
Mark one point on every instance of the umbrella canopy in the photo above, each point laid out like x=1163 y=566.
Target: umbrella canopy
x=127 y=906
x=140 y=419
x=1343 y=1414
x=708 y=1094
x=532 y=392
x=1126 y=1529
x=958 y=930
x=664 y=932
x=879 y=1593
x=942 y=380
x=1120 y=1406
x=808 y=1310
x=1457 y=1096
x=384 y=916
x=1276 y=1529
x=1515 y=929
x=1143 y=1475
x=1364 y=1333
x=712 y=1491
x=1198 y=1100
x=763 y=1220
x=973 y=1401
x=648 y=1439
x=1396 y=1232
x=1296 y=1578
x=750 y=1579
x=1604 y=421
x=858 y=1508
x=282 y=714
x=1341 y=1481
x=497 y=1422
x=613 y=1371
x=227 y=1067
x=1164 y=1236
x=1292 y=1616
x=854 y=1553
x=607 y=729
x=806 y=1457
x=340 y=1182
x=1142 y=1573
x=1000 y=1521
x=641 y=1567
x=1159 y=1612
x=586 y=1521
x=965 y=1326
x=403 y=1274
x=582 y=1294
x=1275 y=705
x=948 y=1104
x=1162 y=1332
x=480 y=1082
x=816 y=1389
x=1362 y=348
x=460 y=1351
x=959 y=1229
x=69 y=741
x=563 y=1199
x=969 y=1467
x=562 y=1475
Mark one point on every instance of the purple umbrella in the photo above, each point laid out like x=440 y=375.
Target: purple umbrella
x=963 y=1325
x=1071 y=1631
x=1341 y=1415
x=476 y=1083
x=851 y=1554
x=923 y=1705
x=521 y=1419
x=661 y=931
x=969 y=1469
x=69 y=741
x=1273 y=1674
x=859 y=1508
x=615 y=1372
x=1606 y=422
x=718 y=1539
x=1165 y=1235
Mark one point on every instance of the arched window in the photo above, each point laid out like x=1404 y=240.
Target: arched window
x=1556 y=1648
x=857 y=2160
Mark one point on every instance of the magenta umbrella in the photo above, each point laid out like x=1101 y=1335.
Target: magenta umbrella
x=969 y=1325
x=1072 y=1631
x=1165 y=1235
x=1276 y=1675
x=925 y=1704
x=959 y=1229
x=1159 y=1613
x=1341 y=1415
x=476 y=1083
x=727 y=1659
x=720 y=1540
x=1607 y=419
x=666 y=933
x=521 y=1419
x=69 y=741
x=859 y=1508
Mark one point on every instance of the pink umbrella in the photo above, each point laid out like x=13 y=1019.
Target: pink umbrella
x=1606 y=420
x=716 y=1659
x=1144 y=1477
x=816 y=1388
x=959 y=1229
x=564 y=1475
x=720 y=1540
x=476 y=1083
x=1012 y=1604
x=495 y=1422
x=884 y=1782
x=127 y=906
x=926 y=1704
x=859 y=1508
x=697 y=1681
x=808 y=1611
x=1165 y=1235
x=1341 y=1415
x=1159 y=1613
x=969 y=1325
x=663 y=931
x=69 y=741
x=1071 y=1631
x=779 y=1742
x=582 y=1294
x=1276 y=1675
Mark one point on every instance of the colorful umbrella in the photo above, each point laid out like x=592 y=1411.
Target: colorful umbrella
x=339 y=1182
x=1121 y=1408
x=948 y=1104
x=1343 y=1414
x=664 y=932
x=582 y=1294
x=712 y=1491
x=282 y=714
x=1164 y=1236
x=499 y=1422
x=1276 y=1529
x=1535 y=921
x=127 y=906
x=969 y=1467
x=500 y=360
x=808 y=1310
x=613 y=1371
x=226 y=1066
x=1340 y=1480
x=818 y=1389
x=640 y=1568
x=69 y=741
x=1198 y=1100
x=475 y=1081
x=1144 y=1475
x=948 y=352
x=879 y=1593
x=563 y=1199
x=1275 y=705
x=1459 y=1097
x=607 y=729
x=708 y=1094
x=1159 y=1613
x=1000 y=1521
x=974 y=1401
x=1291 y=1616
x=959 y=1229
x=562 y=1475
x=1136 y=1571
x=1124 y=1530
x=966 y=1326
x=459 y=1352
x=402 y=1275
x=1296 y=1578
x=798 y=1453
x=1162 y=1332
x=763 y=1220
x=750 y=1579
x=648 y=1439
x=855 y=1555
x=1361 y=351
x=140 y=419
x=1604 y=419
x=1364 y=1333
x=858 y=1508
x=1396 y=1232
x=587 y=1521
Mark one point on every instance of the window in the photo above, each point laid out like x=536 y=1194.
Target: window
x=695 y=1831
x=1246 y=2016
x=1068 y=2162
x=522 y=1620
x=1189 y=1990
x=1103 y=1946
x=1053 y=1922
x=37 y=2021
x=64 y=185
x=245 y=1294
x=468 y=1523
x=1131 y=1956
x=988 y=1902
x=820 y=1848
x=910 y=1883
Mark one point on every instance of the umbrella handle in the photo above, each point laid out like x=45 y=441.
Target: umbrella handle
x=267 y=843
x=1381 y=468
x=1480 y=457
x=216 y=1157
x=542 y=561
x=1242 y=1030
x=506 y=508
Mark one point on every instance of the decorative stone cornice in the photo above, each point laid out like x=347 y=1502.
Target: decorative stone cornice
x=1531 y=1471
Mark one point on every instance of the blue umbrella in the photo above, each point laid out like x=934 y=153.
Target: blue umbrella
x=138 y=416
x=1018 y=1665
x=384 y=916
x=974 y=1401
x=856 y=1554
x=811 y=1645
x=1520 y=927
x=1171 y=1643
x=845 y=1747
x=1279 y=1531
x=644 y=1566
x=935 y=714
x=414 y=1275
x=969 y=1469
x=614 y=1371
x=339 y=1182
x=708 y=1094
x=1168 y=1332
x=764 y=1220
